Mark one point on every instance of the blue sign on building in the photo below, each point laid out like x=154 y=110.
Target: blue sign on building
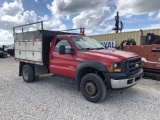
x=109 y=44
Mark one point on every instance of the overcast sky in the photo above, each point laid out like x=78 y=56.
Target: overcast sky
x=97 y=16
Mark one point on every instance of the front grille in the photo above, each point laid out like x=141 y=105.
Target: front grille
x=132 y=65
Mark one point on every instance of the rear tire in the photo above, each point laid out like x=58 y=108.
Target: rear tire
x=93 y=88
x=28 y=73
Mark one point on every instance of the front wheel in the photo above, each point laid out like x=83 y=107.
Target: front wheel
x=93 y=87
x=28 y=73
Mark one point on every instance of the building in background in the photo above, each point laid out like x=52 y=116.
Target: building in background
x=117 y=38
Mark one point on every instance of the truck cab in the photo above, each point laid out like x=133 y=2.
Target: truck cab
x=76 y=57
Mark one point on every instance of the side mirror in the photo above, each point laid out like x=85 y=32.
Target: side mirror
x=62 y=49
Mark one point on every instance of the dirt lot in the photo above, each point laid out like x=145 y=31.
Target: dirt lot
x=50 y=99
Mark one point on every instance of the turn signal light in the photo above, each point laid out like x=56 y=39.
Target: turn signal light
x=117 y=70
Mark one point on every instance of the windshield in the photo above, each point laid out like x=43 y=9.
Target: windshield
x=86 y=43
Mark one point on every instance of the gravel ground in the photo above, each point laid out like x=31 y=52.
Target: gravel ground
x=50 y=99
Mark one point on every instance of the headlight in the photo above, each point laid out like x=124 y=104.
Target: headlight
x=115 y=67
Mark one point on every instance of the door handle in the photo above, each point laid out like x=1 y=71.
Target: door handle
x=51 y=57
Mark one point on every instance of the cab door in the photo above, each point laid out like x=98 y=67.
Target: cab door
x=63 y=64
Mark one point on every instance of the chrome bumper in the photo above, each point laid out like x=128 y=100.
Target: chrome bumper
x=124 y=83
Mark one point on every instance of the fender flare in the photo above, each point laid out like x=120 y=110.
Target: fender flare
x=89 y=63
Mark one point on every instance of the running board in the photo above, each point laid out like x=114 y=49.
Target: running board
x=65 y=79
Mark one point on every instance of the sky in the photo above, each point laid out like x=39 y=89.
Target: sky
x=96 y=16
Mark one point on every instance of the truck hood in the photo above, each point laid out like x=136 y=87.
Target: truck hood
x=109 y=54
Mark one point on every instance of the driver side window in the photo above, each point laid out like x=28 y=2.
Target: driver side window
x=62 y=41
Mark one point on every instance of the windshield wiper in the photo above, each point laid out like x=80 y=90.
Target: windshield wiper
x=93 y=48
x=88 y=49
x=100 y=48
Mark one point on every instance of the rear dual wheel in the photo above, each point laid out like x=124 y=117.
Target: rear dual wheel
x=28 y=73
x=93 y=87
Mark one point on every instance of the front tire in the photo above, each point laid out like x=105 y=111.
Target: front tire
x=93 y=88
x=28 y=73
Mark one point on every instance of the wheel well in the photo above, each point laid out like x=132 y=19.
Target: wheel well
x=88 y=70
x=21 y=64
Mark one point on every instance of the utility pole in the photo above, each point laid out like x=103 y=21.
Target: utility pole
x=118 y=24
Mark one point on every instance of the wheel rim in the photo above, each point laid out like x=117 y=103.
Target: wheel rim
x=26 y=73
x=91 y=88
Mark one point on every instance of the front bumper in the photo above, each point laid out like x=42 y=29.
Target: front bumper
x=120 y=80
x=124 y=83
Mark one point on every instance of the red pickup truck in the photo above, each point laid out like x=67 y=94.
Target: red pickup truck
x=76 y=58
